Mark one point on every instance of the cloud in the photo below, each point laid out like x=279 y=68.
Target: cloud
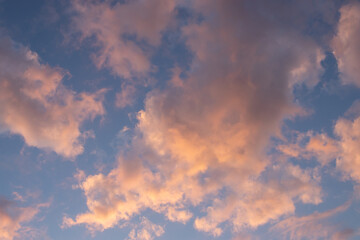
x=258 y=202
x=343 y=147
x=13 y=217
x=348 y=130
x=345 y=43
x=35 y=104
x=313 y=226
x=346 y=233
x=126 y=97
x=203 y=141
x=312 y=145
x=118 y=30
x=146 y=231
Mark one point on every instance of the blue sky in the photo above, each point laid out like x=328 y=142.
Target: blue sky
x=176 y=119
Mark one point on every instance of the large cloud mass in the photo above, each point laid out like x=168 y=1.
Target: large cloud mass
x=203 y=142
x=35 y=104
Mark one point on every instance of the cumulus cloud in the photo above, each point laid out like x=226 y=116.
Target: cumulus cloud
x=313 y=226
x=35 y=104
x=145 y=231
x=347 y=52
x=312 y=145
x=343 y=147
x=13 y=217
x=348 y=161
x=345 y=43
x=118 y=30
x=202 y=141
x=257 y=202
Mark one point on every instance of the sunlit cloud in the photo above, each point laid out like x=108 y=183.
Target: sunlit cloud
x=349 y=160
x=118 y=30
x=314 y=226
x=36 y=105
x=239 y=134
x=146 y=231
x=312 y=145
x=345 y=43
x=12 y=218
x=210 y=133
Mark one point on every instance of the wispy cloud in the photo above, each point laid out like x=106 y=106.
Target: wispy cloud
x=313 y=226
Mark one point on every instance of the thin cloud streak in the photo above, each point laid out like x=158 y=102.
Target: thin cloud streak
x=313 y=226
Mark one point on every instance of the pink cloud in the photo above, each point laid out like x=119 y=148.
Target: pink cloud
x=126 y=96
x=209 y=133
x=315 y=145
x=146 y=231
x=313 y=226
x=343 y=147
x=349 y=160
x=112 y=24
x=13 y=217
x=37 y=106
x=345 y=43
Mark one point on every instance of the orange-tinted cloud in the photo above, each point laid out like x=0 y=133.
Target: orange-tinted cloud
x=310 y=145
x=13 y=217
x=313 y=226
x=202 y=141
x=114 y=25
x=349 y=160
x=34 y=103
x=145 y=231
x=126 y=97
x=344 y=147
x=345 y=43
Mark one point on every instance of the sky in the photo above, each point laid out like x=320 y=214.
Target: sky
x=179 y=119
